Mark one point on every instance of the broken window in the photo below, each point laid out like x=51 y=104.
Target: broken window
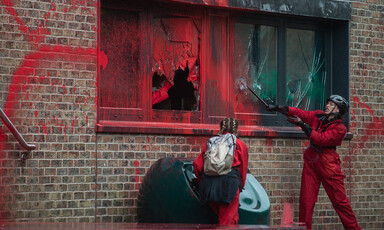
x=166 y=67
x=306 y=76
x=176 y=67
x=255 y=64
x=282 y=65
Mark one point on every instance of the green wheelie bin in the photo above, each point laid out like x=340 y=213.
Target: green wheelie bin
x=168 y=195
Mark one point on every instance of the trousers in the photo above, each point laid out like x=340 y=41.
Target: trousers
x=324 y=168
x=227 y=213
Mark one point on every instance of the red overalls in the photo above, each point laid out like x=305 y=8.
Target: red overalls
x=161 y=94
x=322 y=165
x=227 y=214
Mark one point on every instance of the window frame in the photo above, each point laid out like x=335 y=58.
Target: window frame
x=179 y=122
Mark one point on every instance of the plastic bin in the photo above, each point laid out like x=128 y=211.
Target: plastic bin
x=167 y=195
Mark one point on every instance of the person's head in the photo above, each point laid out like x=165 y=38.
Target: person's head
x=229 y=125
x=336 y=106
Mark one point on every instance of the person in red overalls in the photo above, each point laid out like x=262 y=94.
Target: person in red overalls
x=160 y=93
x=321 y=161
x=227 y=211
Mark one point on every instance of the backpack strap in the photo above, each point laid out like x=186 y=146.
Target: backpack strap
x=233 y=141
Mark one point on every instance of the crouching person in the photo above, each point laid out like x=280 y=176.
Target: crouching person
x=221 y=171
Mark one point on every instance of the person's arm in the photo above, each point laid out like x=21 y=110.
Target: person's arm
x=162 y=93
x=306 y=116
x=198 y=165
x=242 y=151
x=297 y=121
x=333 y=136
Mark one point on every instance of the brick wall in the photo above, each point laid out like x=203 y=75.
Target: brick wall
x=48 y=82
x=367 y=112
x=48 y=89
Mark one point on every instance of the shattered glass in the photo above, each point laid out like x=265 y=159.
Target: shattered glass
x=305 y=72
x=175 y=54
x=255 y=65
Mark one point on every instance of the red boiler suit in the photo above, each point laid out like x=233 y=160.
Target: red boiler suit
x=161 y=94
x=322 y=165
x=227 y=214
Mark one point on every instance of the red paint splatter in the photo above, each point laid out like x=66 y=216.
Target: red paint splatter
x=25 y=78
x=372 y=128
x=137 y=164
x=103 y=59
x=35 y=36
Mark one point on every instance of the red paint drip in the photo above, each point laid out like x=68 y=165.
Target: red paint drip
x=103 y=59
x=137 y=164
x=21 y=81
x=288 y=213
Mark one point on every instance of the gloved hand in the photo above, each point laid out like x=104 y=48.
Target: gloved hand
x=272 y=108
x=297 y=121
x=281 y=109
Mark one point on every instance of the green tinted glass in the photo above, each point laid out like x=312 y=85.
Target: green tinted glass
x=255 y=64
x=305 y=72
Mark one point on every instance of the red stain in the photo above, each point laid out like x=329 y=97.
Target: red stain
x=24 y=78
x=35 y=36
x=73 y=124
x=371 y=128
x=137 y=164
x=288 y=213
x=371 y=131
x=103 y=59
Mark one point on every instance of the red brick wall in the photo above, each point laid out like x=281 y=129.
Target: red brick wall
x=48 y=86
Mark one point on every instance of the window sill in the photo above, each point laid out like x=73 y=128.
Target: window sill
x=105 y=126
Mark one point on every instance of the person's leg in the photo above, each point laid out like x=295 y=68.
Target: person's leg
x=227 y=213
x=310 y=184
x=231 y=213
x=334 y=186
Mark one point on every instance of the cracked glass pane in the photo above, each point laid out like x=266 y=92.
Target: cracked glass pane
x=255 y=65
x=306 y=75
x=175 y=63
